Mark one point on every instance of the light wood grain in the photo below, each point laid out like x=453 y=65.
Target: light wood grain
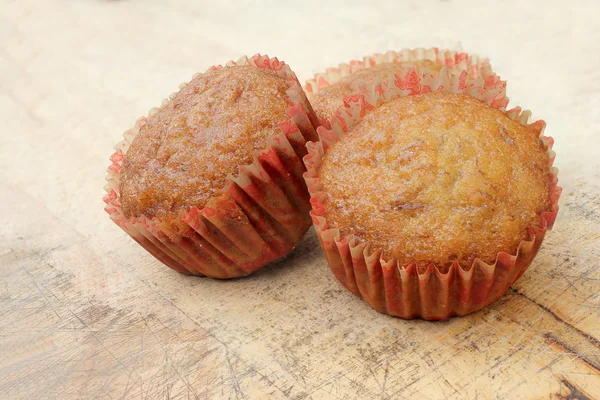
x=86 y=313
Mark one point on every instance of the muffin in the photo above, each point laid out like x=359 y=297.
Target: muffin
x=211 y=182
x=431 y=205
x=326 y=91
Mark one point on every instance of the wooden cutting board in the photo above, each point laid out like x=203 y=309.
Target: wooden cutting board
x=86 y=313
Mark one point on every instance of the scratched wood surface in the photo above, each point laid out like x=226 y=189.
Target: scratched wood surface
x=86 y=313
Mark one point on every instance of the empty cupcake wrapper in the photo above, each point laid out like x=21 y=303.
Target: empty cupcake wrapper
x=402 y=290
x=261 y=214
x=476 y=67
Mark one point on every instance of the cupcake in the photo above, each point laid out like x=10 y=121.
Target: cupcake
x=326 y=91
x=210 y=183
x=431 y=204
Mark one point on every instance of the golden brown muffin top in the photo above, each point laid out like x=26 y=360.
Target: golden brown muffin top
x=183 y=154
x=435 y=178
x=328 y=99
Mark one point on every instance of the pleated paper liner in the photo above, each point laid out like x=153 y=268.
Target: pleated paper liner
x=402 y=290
x=457 y=62
x=261 y=213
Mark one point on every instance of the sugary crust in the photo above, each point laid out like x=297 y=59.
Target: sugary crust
x=183 y=154
x=436 y=178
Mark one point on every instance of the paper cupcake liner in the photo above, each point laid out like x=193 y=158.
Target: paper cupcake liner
x=402 y=290
x=261 y=213
x=477 y=69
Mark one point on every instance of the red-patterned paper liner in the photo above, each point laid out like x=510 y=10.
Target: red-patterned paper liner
x=401 y=290
x=262 y=213
x=476 y=67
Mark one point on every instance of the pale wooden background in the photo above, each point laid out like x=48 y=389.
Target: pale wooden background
x=86 y=313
